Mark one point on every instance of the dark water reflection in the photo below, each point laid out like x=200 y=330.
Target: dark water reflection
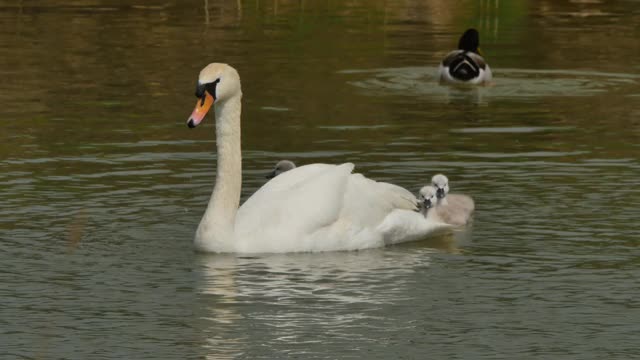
x=102 y=185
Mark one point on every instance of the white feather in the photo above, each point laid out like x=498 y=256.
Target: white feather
x=317 y=207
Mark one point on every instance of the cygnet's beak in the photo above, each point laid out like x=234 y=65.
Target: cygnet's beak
x=202 y=107
x=271 y=175
x=440 y=193
x=427 y=204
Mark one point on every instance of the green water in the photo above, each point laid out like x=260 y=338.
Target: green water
x=102 y=185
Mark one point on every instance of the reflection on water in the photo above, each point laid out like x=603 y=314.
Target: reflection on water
x=102 y=185
x=302 y=299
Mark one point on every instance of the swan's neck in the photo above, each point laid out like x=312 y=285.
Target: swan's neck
x=442 y=202
x=216 y=227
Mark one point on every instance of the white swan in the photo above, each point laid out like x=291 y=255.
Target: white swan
x=465 y=65
x=454 y=209
x=315 y=207
x=281 y=166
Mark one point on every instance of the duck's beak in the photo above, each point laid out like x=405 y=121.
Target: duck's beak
x=202 y=107
x=440 y=193
x=271 y=175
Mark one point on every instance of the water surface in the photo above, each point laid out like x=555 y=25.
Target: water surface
x=102 y=185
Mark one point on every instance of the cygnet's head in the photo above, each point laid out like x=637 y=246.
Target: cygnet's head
x=281 y=166
x=427 y=197
x=441 y=183
x=217 y=83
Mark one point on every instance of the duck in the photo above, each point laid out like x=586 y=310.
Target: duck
x=281 y=166
x=465 y=65
x=454 y=209
x=312 y=208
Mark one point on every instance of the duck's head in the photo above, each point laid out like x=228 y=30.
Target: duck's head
x=217 y=82
x=470 y=41
x=281 y=166
x=441 y=183
x=427 y=197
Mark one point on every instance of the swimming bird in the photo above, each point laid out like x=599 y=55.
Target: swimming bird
x=281 y=166
x=427 y=202
x=441 y=183
x=455 y=209
x=316 y=207
x=465 y=65
x=432 y=209
x=460 y=206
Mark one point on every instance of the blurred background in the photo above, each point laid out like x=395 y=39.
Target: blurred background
x=102 y=184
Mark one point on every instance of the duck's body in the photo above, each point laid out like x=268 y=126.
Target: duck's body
x=465 y=65
x=317 y=207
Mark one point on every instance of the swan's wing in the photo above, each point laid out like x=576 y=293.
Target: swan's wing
x=368 y=202
x=400 y=197
x=291 y=178
x=327 y=208
x=406 y=225
x=295 y=203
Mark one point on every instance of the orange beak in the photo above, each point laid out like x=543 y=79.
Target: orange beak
x=201 y=109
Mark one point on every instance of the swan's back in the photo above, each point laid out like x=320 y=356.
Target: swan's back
x=368 y=202
x=276 y=209
x=318 y=208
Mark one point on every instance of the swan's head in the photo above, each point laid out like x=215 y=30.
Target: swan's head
x=470 y=41
x=441 y=183
x=216 y=83
x=427 y=197
x=281 y=166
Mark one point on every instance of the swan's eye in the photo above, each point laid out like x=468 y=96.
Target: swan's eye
x=209 y=87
